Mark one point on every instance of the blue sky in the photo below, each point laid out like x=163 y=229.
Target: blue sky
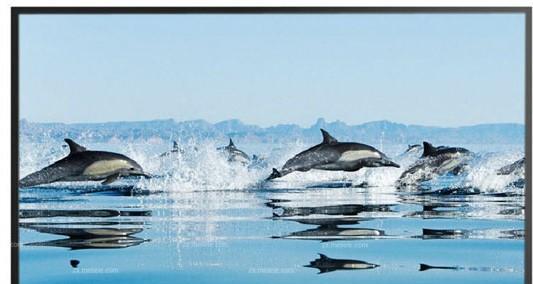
x=433 y=69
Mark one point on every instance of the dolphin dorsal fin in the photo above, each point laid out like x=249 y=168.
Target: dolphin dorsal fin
x=323 y=256
x=428 y=149
x=327 y=138
x=175 y=145
x=74 y=147
x=231 y=145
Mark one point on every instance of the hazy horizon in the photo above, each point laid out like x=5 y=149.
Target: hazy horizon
x=447 y=70
x=265 y=126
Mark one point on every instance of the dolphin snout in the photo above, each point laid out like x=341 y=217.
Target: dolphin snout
x=393 y=164
x=388 y=163
x=140 y=173
x=146 y=175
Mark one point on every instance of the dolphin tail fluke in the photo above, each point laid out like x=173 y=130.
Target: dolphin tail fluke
x=424 y=267
x=275 y=174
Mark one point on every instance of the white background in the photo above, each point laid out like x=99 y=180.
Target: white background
x=5 y=78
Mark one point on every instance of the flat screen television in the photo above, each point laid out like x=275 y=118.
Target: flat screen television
x=271 y=145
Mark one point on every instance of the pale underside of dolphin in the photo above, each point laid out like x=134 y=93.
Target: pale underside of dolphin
x=84 y=165
x=332 y=155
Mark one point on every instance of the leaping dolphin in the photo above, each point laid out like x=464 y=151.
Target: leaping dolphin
x=234 y=154
x=433 y=162
x=516 y=168
x=332 y=155
x=84 y=165
x=175 y=149
x=412 y=148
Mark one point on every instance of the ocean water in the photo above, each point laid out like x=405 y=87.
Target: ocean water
x=202 y=219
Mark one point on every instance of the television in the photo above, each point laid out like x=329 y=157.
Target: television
x=271 y=145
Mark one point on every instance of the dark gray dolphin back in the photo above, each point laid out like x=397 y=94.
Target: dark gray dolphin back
x=313 y=156
x=432 y=151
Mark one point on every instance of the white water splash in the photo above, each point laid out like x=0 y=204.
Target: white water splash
x=202 y=167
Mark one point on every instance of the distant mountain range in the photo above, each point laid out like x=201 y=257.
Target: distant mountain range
x=375 y=132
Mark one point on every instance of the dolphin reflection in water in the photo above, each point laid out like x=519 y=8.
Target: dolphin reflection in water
x=326 y=264
x=334 y=233
x=87 y=234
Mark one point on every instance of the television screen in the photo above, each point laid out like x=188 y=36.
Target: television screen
x=271 y=145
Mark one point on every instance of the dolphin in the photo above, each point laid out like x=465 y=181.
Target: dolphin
x=424 y=267
x=92 y=213
x=342 y=209
x=334 y=233
x=435 y=161
x=86 y=233
x=326 y=264
x=412 y=148
x=105 y=242
x=175 y=149
x=516 y=168
x=234 y=154
x=332 y=155
x=445 y=233
x=85 y=165
x=328 y=221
